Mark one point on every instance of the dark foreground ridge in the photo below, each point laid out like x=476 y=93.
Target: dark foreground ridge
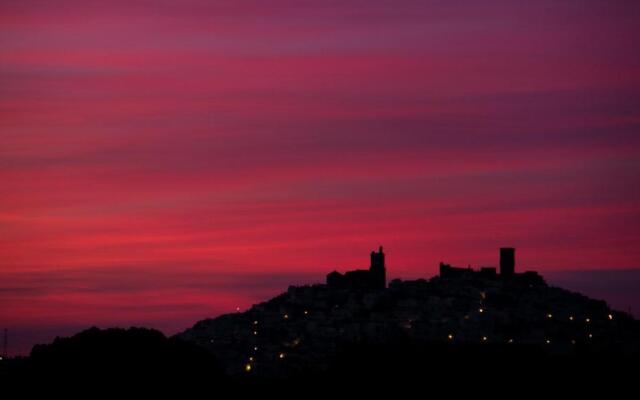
x=474 y=326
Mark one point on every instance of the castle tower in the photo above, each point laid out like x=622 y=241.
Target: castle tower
x=378 y=270
x=507 y=261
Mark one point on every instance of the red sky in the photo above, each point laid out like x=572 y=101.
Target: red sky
x=164 y=161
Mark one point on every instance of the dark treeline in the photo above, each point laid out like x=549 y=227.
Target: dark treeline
x=97 y=360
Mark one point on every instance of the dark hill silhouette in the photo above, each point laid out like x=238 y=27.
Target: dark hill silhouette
x=134 y=356
x=118 y=361
x=304 y=330
x=471 y=332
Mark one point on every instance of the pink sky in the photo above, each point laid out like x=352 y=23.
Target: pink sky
x=166 y=161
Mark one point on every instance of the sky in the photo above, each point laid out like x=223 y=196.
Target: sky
x=166 y=161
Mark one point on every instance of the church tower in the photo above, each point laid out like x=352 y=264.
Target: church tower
x=507 y=261
x=377 y=269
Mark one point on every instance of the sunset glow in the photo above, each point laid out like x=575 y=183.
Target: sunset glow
x=162 y=162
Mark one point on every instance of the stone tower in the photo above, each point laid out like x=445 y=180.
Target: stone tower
x=507 y=261
x=377 y=269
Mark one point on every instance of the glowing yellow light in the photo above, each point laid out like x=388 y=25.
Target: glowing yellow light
x=247 y=367
x=549 y=316
x=610 y=317
x=484 y=338
x=481 y=310
x=281 y=355
x=450 y=337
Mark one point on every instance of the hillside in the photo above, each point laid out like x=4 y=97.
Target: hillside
x=307 y=327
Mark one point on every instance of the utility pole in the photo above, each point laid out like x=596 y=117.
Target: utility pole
x=6 y=341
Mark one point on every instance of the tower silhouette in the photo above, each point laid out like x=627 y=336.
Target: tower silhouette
x=507 y=261
x=377 y=269
x=373 y=278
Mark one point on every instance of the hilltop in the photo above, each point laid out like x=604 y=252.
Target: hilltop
x=483 y=328
x=309 y=327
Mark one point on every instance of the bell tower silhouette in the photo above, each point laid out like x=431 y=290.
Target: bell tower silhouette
x=377 y=269
x=507 y=261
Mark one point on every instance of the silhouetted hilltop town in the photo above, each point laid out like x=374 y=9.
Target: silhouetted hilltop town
x=308 y=326
x=464 y=325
